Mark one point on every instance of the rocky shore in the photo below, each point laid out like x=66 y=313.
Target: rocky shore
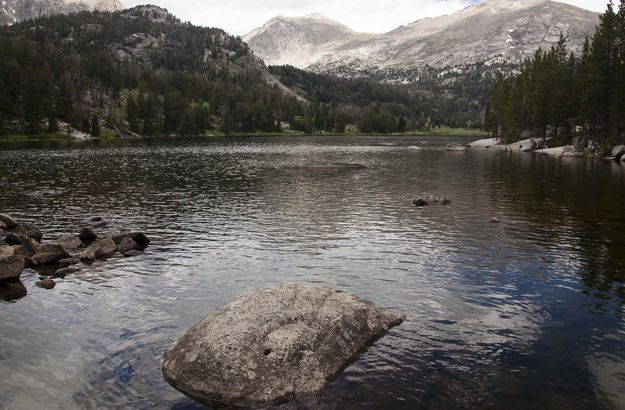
x=23 y=249
x=579 y=149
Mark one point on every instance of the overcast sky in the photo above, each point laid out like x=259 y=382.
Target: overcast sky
x=374 y=16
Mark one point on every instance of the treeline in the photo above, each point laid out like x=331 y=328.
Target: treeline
x=558 y=94
x=373 y=106
x=133 y=70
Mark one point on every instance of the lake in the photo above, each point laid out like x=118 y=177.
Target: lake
x=526 y=313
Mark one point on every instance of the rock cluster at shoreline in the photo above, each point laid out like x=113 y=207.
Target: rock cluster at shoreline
x=580 y=148
x=24 y=248
x=274 y=345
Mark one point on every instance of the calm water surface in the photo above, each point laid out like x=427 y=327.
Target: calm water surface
x=524 y=314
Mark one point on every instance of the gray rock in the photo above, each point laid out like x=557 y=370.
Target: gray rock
x=49 y=253
x=139 y=238
x=71 y=243
x=26 y=246
x=100 y=249
x=133 y=253
x=274 y=345
x=127 y=245
x=495 y=220
x=63 y=272
x=87 y=236
x=8 y=221
x=618 y=151
x=420 y=202
x=46 y=284
x=11 y=264
x=29 y=230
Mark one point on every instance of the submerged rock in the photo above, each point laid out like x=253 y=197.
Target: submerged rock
x=455 y=147
x=274 y=345
x=46 y=284
x=429 y=199
x=14 y=290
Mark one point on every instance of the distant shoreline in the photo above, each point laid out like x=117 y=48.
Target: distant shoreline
x=60 y=136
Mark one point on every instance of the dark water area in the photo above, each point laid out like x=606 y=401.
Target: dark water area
x=527 y=313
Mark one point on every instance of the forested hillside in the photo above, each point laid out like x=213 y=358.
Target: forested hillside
x=140 y=69
x=382 y=108
x=562 y=95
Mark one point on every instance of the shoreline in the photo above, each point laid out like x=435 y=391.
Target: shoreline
x=536 y=145
x=113 y=135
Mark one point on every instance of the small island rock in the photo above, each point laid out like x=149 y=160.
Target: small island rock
x=274 y=345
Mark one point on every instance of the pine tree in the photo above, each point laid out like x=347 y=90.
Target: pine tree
x=94 y=129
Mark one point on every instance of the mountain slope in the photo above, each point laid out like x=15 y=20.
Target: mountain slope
x=491 y=31
x=141 y=70
x=13 y=11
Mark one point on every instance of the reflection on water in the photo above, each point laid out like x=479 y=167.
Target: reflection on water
x=526 y=313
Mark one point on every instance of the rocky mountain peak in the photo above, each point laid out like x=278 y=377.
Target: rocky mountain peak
x=13 y=11
x=490 y=31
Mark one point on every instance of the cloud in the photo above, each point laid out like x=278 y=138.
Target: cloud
x=375 y=16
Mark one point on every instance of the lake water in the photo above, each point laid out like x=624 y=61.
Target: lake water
x=528 y=313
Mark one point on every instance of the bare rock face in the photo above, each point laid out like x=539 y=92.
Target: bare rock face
x=274 y=345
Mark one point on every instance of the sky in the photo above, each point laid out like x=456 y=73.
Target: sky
x=373 y=16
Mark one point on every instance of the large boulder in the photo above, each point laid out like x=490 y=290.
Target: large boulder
x=274 y=345
x=48 y=254
x=8 y=222
x=100 y=249
x=11 y=264
x=618 y=152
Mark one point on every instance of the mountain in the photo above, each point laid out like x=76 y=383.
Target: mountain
x=492 y=32
x=13 y=11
